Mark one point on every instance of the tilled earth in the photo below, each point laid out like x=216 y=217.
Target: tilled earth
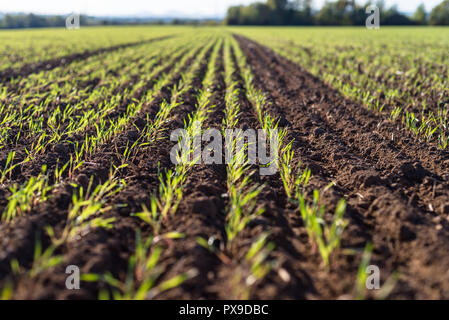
x=397 y=190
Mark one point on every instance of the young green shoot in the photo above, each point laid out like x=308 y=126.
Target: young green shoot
x=326 y=237
x=143 y=278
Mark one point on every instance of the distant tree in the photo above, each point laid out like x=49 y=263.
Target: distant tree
x=392 y=17
x=306 y=8
x=273 y=12
x=440 y=14
x=16 y=21
x=303 y=14
x=55 y=21
x=381 y=5
x=233 y=15
x=11 y=22
x=337 y=13
x=263 y=13
x=301 y=5
x=420 y=15
x=278 y=15
x=328 y=15
x=306 y=12
x=257 y=14
x=277 y=5
x=358 y=15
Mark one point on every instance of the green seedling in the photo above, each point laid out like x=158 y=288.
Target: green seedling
x=10 y=166
x=253 y=269
x=23 y=197
x=152 y=216
x=360 y=291
x=325 y=237
x=86 y=209
x=143 y=275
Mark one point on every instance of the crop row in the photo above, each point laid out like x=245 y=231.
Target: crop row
x=68 y=101
x=78 y=129
x=34 y=46
x=379 y=70
x=90 y=202
x=103 y=130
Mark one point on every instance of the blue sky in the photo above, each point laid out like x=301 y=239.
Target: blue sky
x=190 y=8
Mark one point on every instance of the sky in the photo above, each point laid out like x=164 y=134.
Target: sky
x=187 y=8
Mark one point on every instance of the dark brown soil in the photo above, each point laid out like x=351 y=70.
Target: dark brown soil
x=396 y=186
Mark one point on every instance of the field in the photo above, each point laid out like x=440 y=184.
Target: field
x=88 y=180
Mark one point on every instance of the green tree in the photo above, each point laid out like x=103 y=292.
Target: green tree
x=440 y=14
x=420 y=15
x=303 y=12
x=256 y=14
x=337 y=13
x=392 y=17
x=233 y=15
x=277 y=5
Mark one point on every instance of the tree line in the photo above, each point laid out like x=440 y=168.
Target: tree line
x=272 y=12
x=19 y=21
x=332 y=13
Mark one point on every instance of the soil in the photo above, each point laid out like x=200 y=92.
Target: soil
x=396 y=186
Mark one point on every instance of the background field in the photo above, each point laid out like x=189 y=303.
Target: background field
x=86 y=176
